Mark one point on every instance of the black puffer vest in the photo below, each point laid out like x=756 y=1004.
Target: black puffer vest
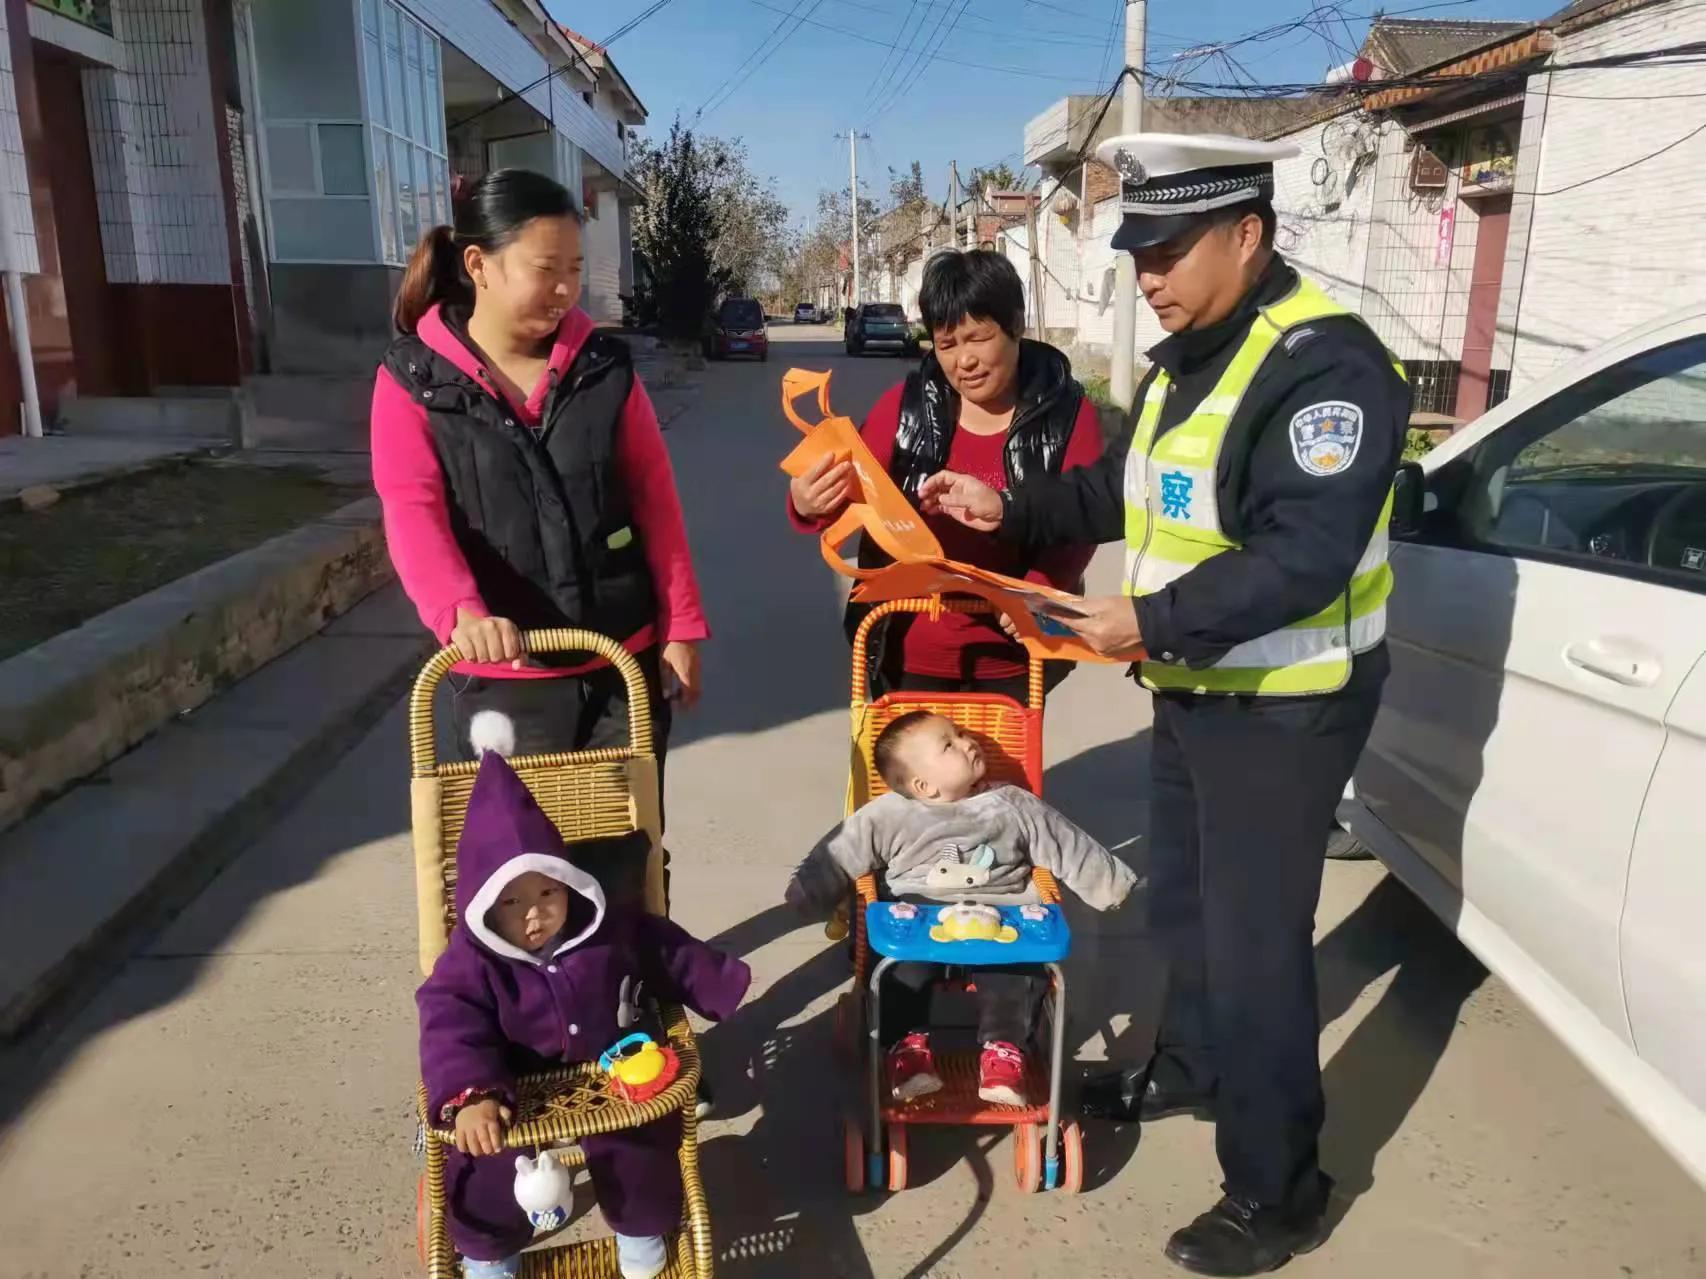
x=1043 y=422
x=542 y=518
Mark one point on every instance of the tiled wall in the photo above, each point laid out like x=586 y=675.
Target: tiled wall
x=1324 y=226
x=14 y=179
x=153 y=146
x=1606 y=253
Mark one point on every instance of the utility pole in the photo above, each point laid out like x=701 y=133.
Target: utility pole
x=853 y=137
x=1122 y=380
x=1036 y=268
x=954 y=202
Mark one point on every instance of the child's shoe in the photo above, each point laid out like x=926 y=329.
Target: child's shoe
x=912 y=1068
x=504 y=1268
x=1001 y=1074
x=641 y=1256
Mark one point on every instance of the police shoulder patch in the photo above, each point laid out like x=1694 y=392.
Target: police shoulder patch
x=1325 y=437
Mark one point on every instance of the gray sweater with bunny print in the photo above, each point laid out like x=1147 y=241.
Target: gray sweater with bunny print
x=980 y=848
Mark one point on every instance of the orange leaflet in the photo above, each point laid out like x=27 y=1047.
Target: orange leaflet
x=881 y=511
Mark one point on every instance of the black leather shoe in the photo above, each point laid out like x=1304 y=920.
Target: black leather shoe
x=1131 y=1095
x=1236 y=1238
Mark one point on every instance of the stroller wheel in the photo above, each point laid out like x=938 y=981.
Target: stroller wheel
x=1071 y=1157
x=853 y=1155
x=897 y=1156
x=1027 y=1158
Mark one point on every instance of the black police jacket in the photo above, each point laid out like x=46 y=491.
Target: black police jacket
x=542 y=517
x=1301 y=534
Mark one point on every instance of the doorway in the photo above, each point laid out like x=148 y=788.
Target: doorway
x=1481 y=331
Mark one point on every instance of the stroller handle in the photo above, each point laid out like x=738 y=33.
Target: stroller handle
x=423 y=746
x=879 y=612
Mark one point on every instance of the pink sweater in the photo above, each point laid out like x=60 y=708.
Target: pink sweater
x=411 y=490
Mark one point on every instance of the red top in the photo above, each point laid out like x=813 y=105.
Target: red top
x=417 y=513
x=956 y=645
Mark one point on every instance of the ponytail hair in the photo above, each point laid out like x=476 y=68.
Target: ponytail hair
x=488 y=214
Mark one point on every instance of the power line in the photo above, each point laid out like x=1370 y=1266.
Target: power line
x=917 y=60
x=748 y=68
x=529 y=87
x=884 y=73
x=922 y=65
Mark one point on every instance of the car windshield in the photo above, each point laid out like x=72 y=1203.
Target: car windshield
x=885 y=311
x=744 y=312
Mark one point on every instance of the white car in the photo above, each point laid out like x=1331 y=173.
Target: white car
x=1538 y=770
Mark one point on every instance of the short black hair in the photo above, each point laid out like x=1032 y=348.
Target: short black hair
x=885 y=753
x=979 y=283
x=1263 y=209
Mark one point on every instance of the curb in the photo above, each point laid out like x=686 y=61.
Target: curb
x=80 y=700
x=143 y=839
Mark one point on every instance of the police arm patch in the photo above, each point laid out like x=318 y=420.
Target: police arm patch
x=1325 y=437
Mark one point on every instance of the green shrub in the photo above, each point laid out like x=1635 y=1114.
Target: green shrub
x=1417 y=444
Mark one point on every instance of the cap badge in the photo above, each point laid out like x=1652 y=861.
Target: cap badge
x=1130 y=167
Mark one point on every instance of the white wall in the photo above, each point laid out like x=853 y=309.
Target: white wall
x=1324 y=227
x=154 y=150
x=1618 y=252
x=14 y=176
x=603 y=247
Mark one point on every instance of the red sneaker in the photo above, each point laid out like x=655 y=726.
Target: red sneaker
x=1001 y=1074
x=912 y=1068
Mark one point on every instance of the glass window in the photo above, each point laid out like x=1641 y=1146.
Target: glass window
x=370 y=16
x=434 y=92
x=412 y=80
x=343 y=164
x=402 y=171
x=423 y=188
x=440 y=197
x=389 y=248
x=395 y=116
x=1610 y=472
x=375 y=78
x=290 y=158
x=311 y=229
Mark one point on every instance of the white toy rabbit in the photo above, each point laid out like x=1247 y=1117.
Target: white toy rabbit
x=544 y=1189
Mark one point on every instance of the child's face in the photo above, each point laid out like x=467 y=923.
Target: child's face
x=530 y=911
x=944 y=762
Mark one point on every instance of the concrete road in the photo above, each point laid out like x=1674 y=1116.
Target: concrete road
x=237 y=1100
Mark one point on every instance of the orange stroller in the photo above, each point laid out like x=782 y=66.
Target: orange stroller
x=1047 y=1151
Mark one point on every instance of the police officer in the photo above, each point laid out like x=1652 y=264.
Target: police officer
x=1252 y=493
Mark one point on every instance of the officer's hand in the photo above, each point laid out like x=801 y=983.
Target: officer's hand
x=971 y=502
x=1107 y=623
x=487 y=639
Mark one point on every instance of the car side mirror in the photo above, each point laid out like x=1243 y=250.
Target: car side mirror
x=1409 y=500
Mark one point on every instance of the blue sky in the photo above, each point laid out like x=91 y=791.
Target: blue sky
x=818 y=83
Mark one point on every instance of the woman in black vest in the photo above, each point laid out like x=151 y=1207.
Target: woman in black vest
x=988 y=399
x=524 y=479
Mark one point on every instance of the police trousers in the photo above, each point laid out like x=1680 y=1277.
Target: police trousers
x=1243 y=792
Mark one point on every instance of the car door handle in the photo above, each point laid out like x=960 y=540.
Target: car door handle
x=1614 y=661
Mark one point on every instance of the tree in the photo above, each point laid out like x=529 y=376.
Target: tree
x=676 y=228
x=999 y=176
x=750 y=218
x=907 y=189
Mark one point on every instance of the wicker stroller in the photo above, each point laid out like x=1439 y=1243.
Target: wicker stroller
x=1047 y=1153
x=593 y=794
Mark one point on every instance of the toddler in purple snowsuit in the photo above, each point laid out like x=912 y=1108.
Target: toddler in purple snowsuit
x=540 y=971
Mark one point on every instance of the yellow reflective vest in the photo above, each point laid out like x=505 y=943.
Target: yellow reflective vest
x=1172 y=524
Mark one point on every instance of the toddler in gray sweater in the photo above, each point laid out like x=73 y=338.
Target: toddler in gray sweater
x=941 y=834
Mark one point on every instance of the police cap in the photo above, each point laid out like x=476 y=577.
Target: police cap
x=1168 y=181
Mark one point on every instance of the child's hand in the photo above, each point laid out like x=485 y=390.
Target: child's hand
x=480 y=1127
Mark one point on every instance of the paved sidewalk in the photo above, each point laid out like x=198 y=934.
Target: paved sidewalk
x=67 y=461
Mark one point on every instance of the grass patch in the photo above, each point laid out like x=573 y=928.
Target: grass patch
x=1096 y=386
x=100 y=547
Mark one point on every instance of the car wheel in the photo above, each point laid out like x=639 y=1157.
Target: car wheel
x=1342 y=846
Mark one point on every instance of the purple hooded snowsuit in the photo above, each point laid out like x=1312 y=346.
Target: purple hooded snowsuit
x=491 y=1011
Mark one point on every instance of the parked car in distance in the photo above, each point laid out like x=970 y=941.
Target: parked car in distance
x=879 y=326
x=738 y=329
x=1535 y=774
x=805 y=313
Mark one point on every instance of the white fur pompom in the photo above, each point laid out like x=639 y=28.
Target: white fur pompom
x=492 y=731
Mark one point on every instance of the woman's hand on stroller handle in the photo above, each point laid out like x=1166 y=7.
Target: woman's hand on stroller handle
x=488 y=640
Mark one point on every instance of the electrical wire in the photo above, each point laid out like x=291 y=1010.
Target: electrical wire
x=748 y=68
x=884 y=73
